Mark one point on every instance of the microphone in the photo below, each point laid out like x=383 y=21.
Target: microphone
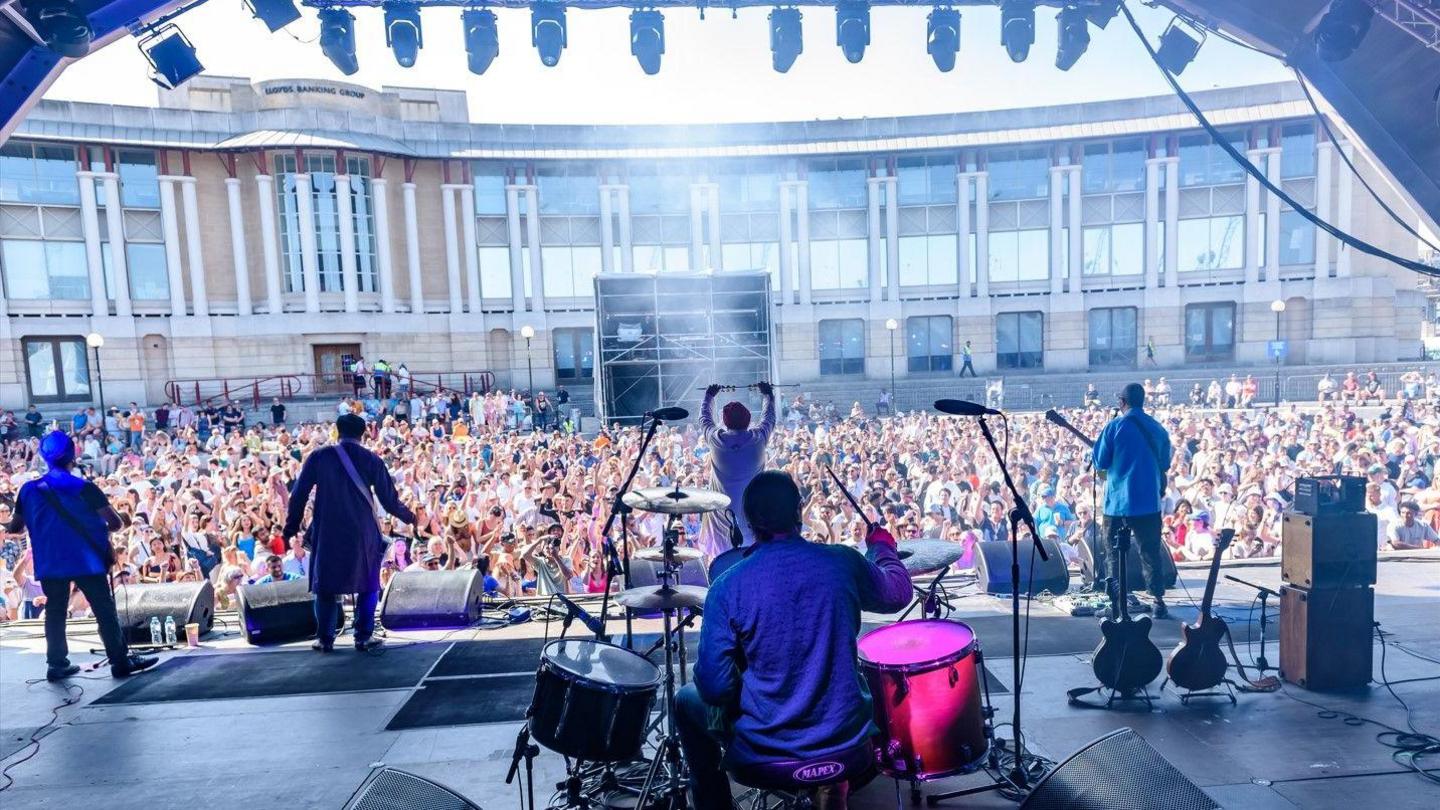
x=574 y=611
x=671 y=414
x=960 y=407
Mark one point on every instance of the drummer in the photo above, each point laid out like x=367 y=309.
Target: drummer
x=776 y=677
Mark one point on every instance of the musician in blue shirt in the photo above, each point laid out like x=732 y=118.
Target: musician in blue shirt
x=1134 y=453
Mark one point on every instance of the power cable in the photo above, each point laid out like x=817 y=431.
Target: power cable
x=70 y=699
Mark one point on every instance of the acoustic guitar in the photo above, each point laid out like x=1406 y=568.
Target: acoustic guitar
x=1197 y=663
x=1126 y=659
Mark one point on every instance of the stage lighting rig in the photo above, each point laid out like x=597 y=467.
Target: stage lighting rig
x=64 y=28
x=1342 y=28
x=1073 y=35
x=337 y=39
x=1178 y=47
x=852 y=28
x=402 y=32
x=171 y=56
x=482 y=38
x=1102 y=12
x=276 y=14
x=547 y=32
x=942 y=37
x=786 y=39
x=647 y=39
x=1017 y=28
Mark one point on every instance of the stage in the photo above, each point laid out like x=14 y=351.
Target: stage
x=233 y=726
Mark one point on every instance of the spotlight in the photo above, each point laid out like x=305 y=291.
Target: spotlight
x=1073 y=37
x=1017 y=28
x=171 y=56
x=482 y=38
x=1177 y=48
x=402 y=32
x=852 y=28
x=647 y=39
x=942 y=37
x=65 y=28
x=276 y=14
x=786 y=40
x=337 y=39
x=547 y=32
x=1102 y=12
x=1342 y=28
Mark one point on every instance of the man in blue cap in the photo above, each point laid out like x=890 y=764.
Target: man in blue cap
x=69 y=521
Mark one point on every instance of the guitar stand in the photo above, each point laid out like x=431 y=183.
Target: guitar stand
x=1185 y=697
x=1143 y=693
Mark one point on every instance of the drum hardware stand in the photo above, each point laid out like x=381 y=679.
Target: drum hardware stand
x=1261 y=663
x=667 y=751
x=928 y=599
x=526 y=750
x=617 y=509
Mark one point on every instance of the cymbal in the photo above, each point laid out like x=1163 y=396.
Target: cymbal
x=657 y=554
x=670 y=501
x=652 y=597
x=929 y=555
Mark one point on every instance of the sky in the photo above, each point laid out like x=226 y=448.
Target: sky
x=715 y=70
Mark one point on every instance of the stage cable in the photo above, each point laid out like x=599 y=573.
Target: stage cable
x=73 y=693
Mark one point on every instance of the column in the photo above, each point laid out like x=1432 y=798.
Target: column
x=962 y=234
x=802 y=237
x=452 y=248
x=1343 y=251
x=200 y=304
x=94 y=262
x=349 y=276
x=1077 y=231
x=1172 y=221
x=412 y=248
x=1324 y=163
x=471 y=247
x=1153 y=248
x=1252 y=221
x=265 y=187
x=622 y=208
x=982 y=234
x=379 y=189
x=309 y=261
x=532 y=234
x=785 y=269
x=238 y=257
x=1272 y=218
x=872 y=220
x=607 y=230
x=517 y=248
x=892 y=237
x=712 y=192
x=115 y=232
x=697 y=227
x=1057 y=224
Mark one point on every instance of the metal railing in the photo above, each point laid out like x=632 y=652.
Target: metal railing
x=253 y=392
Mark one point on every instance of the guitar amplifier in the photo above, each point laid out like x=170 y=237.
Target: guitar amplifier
x=1326 y=637
x=1328 y=551
x=1329 y=494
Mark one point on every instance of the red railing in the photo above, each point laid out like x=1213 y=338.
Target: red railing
x=255 y=391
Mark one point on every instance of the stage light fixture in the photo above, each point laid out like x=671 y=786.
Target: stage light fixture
x=64 y=28
x=402 y=32
x=276 y=14
x=647 y=39
x=1342 y=28
x=1073 y=37
x=482 y=38
x=1177 y=47
x=547 y=32
x=337 y=39
x=852 y=28
x=787 y=41
x=942 y=37
x=171 y=56
x=1102 y=12
x=1017 y=28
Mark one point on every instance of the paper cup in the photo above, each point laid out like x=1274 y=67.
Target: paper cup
x=192 y=634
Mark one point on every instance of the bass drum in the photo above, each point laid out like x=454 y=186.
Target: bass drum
x=592 y=700
x=925 y=686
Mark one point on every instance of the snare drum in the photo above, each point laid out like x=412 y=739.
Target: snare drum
x=592 y=700
x=924 y=683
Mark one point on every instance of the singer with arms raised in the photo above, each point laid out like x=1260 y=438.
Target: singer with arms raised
x=776 y=680
x=737 y=455
x=1134 y=452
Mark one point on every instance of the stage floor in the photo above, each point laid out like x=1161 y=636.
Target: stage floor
x=227 y=748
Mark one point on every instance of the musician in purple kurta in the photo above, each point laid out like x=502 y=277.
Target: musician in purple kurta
x=343 y=536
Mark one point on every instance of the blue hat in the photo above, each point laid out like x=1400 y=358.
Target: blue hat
x=57 y=449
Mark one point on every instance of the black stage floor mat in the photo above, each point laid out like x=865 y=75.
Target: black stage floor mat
x=522 y=655
x=268 y=674
x=466 y=701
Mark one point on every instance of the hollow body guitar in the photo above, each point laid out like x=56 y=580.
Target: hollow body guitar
x=1197 y=662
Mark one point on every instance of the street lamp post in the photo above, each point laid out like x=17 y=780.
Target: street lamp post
x=892 y=325
x=528 y=332
x=95 y=340
x=1278 y=307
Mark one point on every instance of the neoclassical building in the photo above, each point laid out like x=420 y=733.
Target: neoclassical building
x=239 y=231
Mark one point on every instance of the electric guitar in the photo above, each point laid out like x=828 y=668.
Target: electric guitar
x=1126 y=659
x=1197 y=662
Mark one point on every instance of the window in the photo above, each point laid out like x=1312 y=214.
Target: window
x=1020 y=255
x=929 y=343
x=1210 y=331
x=322 y=169
x=842 y=346
x=748 y=186
x=1212 y=243
x=662 y=259
x=1114 y=250
x=1113 y=337
x=574 y=353
x=740 y=256
x=489 y=189
x=926 y=180
x=654 y=193
x=32 y=173
x=926 y=260
x=570 y=270
x=1204 y=163
x=139 y=178
x=1020 y=340
x=837 y=184
x=572 y=189
x=1297 y=151
x=36 y=270
x=1297 y=238
x=839 y=264
x=495 y=272
x=1111 y=167
x=58 y=369
x=145 y=262
x=1019 y=174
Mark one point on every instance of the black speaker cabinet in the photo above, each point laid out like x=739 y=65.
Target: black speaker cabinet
x=432 y=599
x=1327 y=637
x=1328 y=551
x=276 y=612
x=1118 y=770
x=992 y=568
x=188 y=602
x=394 y=789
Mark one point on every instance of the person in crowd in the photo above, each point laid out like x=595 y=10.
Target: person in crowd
x=1410 y=532
x=275 y=571
x=737 y=455
x=967 y=360
x=1325 y=390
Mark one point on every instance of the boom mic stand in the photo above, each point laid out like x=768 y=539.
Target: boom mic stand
x=617 y=508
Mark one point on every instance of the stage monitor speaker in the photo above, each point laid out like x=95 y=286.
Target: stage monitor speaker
x=1328 y=551
x=1118 y=770
x=432 y=599
x=188 y=602
x=992 y=568
x=1327 y=637
x=276 y=612
x=394 y=789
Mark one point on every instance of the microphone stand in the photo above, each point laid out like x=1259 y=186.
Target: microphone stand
x=613 y=564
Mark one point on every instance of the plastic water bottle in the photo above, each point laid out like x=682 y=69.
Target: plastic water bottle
x=169 y=629
x=155 y=630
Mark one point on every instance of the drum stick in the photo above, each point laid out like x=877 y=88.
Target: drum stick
x=869 y=524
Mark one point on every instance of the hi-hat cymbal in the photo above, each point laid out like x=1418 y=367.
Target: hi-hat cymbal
x=672 y=501
x=655 y=597
x=657 y=554
x=929 y=555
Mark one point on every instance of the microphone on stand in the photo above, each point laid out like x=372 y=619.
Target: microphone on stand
x=960 y=407
x=671 y=414
x=574 y=611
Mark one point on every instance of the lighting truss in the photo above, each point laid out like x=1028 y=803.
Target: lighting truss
x=1419 y=20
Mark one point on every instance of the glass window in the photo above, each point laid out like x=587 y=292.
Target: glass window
x=928 y=260
x=489 y=189
x=1020 y=255
x=1112 y=167
x=36 y=270
x=1210 y=331
x=926 y=180
x=1297 y=238
x=837 y=184
x=654 y=192
x=1020 y=340
x=1019 y=174
x=748 y=186
x=842 y=346
x=57 y=369
x=839 y=264
x=1297 y=151
x=661 y=259
x=1114 y=339
x=1204 y=163
x=929 y=343
x=32 y=173
x=574 y=353
x=1114 y=249
x=572 y=189
x=741 y=256
x=148 y=278
x=326 y=225
x=495 y=272
x=1212 y=243
x=570 y=270
x=139 y=178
